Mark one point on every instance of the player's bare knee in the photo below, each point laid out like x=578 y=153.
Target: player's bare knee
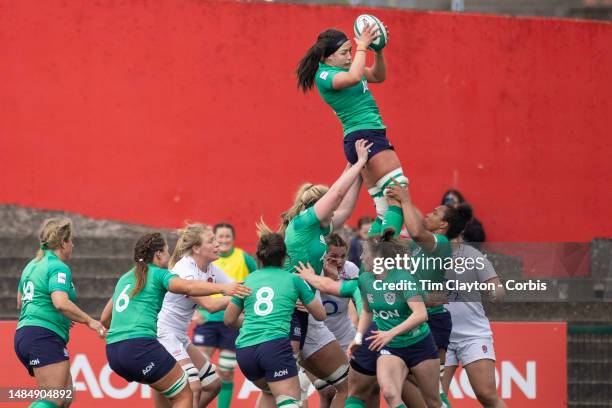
x=488 y=398
x=390 y=393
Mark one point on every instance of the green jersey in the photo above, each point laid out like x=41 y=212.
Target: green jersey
x=354 y=106
x=38 y=281
x=390 y=306
x=431 y=264
x=305 y=240
x=135 y=317
x=350 y=289
x=268 y=310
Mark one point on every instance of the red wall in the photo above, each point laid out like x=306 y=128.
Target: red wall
x=156 y=112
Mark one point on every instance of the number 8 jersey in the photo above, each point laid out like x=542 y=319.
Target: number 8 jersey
x=268 y=310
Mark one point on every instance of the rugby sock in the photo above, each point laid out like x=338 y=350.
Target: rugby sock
x=286 y=402
x=394 y=218
x=354 y=402
x=445 y=401
x=401 y=406
x=375 y=228
x=43 y=404
x=224 y=400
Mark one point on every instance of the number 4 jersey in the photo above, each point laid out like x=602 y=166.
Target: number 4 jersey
x=135 y=317
x=268 y=310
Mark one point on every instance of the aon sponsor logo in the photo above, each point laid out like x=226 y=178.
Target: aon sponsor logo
x=281 y=373
x=386 y=314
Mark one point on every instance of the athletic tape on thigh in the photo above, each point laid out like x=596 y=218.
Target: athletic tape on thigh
x=380 y=202
x=286 y=401
x=304 y=383
x=177 y=387
x=338 y=376
x=192 y=372
x=207 y=374
x=397 y=174
x=227 y=360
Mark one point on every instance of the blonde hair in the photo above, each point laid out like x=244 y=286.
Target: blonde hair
x=189 y=237
x=307 y=195
x=53 y=233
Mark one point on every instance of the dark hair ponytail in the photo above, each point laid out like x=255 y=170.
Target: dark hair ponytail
x=327 y=43
x=271 y=249
x=144 y=252
x=457 y=218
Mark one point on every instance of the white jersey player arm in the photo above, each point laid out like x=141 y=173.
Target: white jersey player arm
x=212 y=304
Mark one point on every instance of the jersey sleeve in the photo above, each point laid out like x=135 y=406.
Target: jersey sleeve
x=238 y=301
x=60 y=278
x=250 y=262
x=304 y=292
x=357 y=300
x=325 y=79
x=305 y=219
x=348 y=287
x=409 y=293
x=164 y=277
x=442 y=248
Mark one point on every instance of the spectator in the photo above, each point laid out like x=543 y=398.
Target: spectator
x=474 y=231
x=363 y=226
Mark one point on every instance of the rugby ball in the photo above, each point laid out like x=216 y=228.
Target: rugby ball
x=364 y=19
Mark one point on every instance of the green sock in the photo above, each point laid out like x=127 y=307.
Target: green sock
x=354 y=402
x=225 y=395
x=445 y=402
x=401 y=406
x=394 y=219
x=43 y=404
x=375 y=228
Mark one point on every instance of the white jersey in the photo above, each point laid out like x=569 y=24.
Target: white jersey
x=467 y=313
x=338 y=320
x=177 y=309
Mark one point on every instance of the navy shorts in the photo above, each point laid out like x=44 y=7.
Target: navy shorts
x=215 y=334
x=271 y=359
x=299 y=327
x=143 y=360
x=415 y=353
x=37 y=347
x=364 y=359
x=376 y=136
x=441 y=325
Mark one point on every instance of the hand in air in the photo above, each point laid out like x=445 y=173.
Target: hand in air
x=363 y=149
x=397 y=191
x=369 y=34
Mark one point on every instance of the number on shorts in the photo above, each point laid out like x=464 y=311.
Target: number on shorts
x=123 y=299
x=28 y=291
x=263 y=305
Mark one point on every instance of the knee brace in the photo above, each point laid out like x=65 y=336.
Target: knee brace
x=287 y=402
x=227 y=360
x=338 y=376
x=386 y=180
x=192 y=372
x=207 y=374
x=177 y=387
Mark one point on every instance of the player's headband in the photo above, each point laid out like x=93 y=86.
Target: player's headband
x=334 y=43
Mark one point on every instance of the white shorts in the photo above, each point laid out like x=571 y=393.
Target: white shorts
x=317 y=337
x=175 y=343
x=465 y=352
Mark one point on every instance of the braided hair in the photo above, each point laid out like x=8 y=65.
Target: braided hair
x=144 y=252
